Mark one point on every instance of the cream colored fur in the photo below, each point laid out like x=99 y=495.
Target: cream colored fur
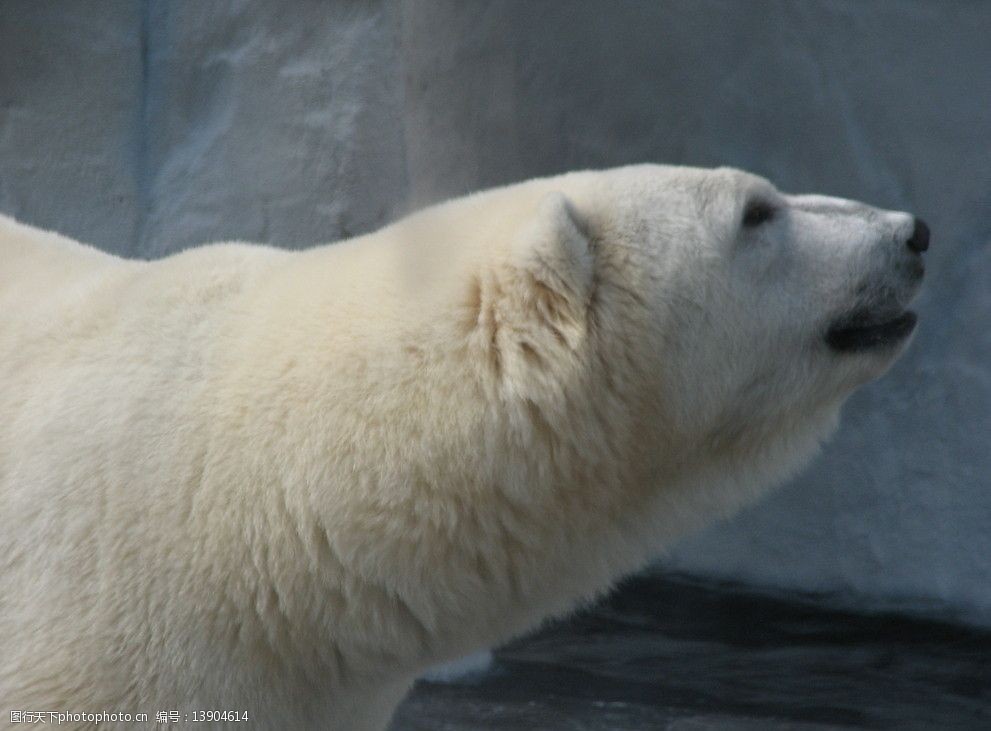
x=287 y=483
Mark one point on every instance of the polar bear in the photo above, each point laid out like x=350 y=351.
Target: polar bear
x=282 y=484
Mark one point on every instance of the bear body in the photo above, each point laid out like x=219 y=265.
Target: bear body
x=286 y=483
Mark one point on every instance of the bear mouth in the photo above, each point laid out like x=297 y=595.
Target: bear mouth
x=863 y=331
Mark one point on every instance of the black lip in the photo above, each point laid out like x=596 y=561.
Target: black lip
x=858 y=334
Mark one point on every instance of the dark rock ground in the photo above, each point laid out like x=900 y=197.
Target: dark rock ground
x=665 y=653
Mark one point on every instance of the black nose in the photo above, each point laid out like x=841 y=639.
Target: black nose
x=920 y=237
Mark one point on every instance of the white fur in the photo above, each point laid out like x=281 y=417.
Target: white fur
x=288 y=483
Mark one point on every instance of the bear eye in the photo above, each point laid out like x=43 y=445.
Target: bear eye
x=756 y=213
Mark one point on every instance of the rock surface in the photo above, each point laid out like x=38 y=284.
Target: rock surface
x=148 y=127
x=683 y=656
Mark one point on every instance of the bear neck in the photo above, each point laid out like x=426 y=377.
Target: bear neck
x=427 y=499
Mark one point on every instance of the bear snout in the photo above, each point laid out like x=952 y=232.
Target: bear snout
x=919 y=240
x=908 y=264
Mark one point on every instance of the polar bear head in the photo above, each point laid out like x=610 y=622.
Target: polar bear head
x=766 y=304
x=743 y=314
x=641 y=350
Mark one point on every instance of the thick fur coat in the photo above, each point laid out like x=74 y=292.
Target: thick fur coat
x=287 y=483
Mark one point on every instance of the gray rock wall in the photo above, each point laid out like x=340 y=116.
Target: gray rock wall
x=148 y=127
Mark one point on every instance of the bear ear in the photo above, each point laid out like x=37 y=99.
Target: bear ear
x=555 y=250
